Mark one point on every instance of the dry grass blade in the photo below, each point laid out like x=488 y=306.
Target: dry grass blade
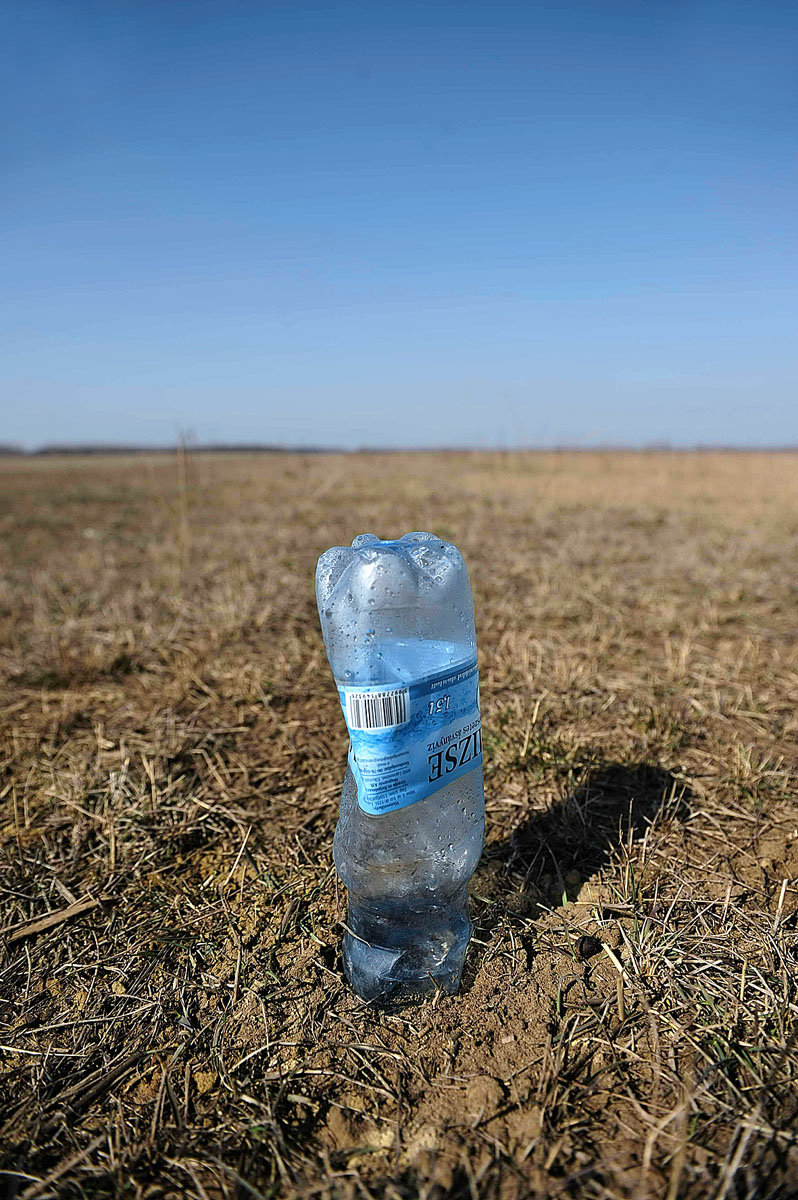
x=171 y=743
x=40 y=924
x=37 y=1189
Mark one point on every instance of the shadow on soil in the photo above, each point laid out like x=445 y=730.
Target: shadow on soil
x=553 y=853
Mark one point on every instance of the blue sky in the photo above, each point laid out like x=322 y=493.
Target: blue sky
x=439 y=223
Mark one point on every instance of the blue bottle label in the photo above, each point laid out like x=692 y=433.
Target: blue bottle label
x=407 y=742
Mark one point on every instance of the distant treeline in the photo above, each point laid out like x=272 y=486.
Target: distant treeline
x=189 y=447
x=268 y=448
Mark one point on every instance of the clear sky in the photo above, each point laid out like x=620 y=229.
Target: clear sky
x=457 y=222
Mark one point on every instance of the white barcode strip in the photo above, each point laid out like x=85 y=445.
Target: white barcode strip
x=377 y=710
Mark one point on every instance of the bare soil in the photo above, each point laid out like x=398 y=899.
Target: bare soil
x=173 y=1020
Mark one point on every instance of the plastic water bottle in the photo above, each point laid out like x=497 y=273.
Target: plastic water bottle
x=398 y=624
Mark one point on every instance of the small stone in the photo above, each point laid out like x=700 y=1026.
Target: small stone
x=588 y=946
x=205 y=1081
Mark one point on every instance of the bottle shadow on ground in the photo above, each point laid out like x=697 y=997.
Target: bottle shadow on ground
x=551 y=855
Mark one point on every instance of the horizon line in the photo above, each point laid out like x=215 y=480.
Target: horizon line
x=88 y=449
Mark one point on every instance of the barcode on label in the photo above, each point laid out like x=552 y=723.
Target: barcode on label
x=377 y=710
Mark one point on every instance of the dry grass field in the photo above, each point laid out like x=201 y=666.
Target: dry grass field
x=173 y=1021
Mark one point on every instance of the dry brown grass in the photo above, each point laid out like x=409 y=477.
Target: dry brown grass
x=173 y=1017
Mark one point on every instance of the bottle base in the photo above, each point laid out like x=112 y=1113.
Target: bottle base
x=385 y=976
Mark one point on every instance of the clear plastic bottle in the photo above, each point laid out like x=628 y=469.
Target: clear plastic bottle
x=398 y=624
